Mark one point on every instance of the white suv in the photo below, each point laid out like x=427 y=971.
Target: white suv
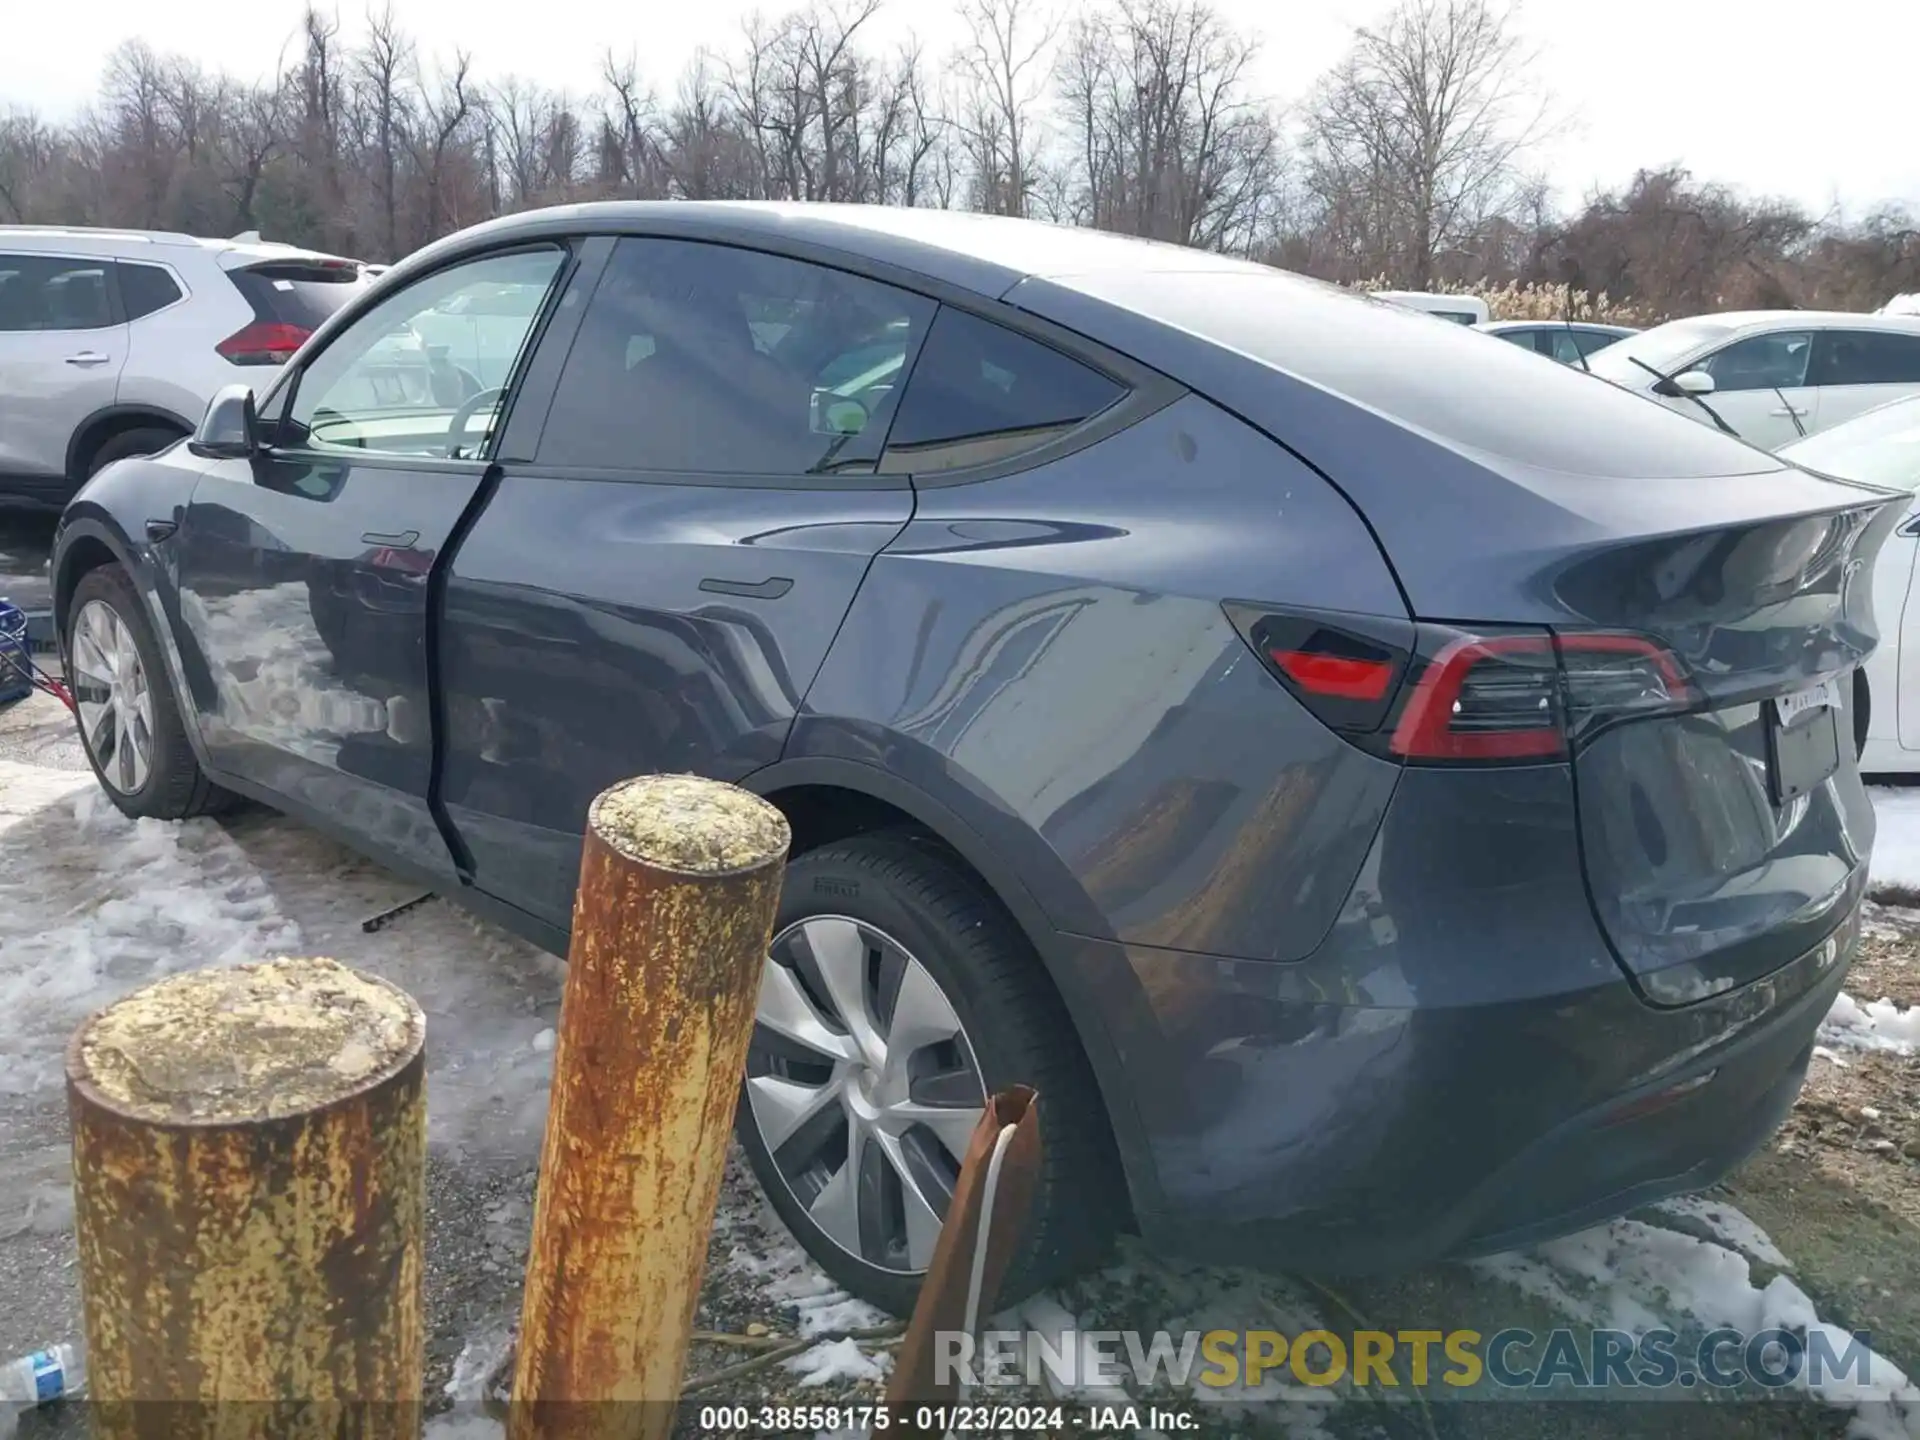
x=112 y=342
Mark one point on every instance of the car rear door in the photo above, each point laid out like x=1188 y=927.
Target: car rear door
x=305 y=571
x=63 y=343
x=1860 y=370
x=672 y=543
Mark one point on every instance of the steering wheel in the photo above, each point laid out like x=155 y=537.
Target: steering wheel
x=457 y=427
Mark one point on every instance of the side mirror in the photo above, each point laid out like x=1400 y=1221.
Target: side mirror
x=230 y=430
x=1694 y=382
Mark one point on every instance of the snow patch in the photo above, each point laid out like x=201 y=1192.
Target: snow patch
x=1878 y=1025
x=838 y=1361
x=93 y=905
x=1633 y=1276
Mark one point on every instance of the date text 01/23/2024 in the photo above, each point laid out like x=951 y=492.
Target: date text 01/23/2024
x=939 y=1419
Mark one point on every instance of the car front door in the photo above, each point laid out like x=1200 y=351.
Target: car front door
x=670 y=547
x=63 y=343
x=305 y=571
x=1761 y=387
x=1859 y=370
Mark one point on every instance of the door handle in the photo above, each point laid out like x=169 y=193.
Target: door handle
x=771 y=589
x=404 y=540
x=87 y=357
x=1790 y=410
x=1910 y=528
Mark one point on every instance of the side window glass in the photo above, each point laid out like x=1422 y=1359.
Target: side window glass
x=1761 y=362
x=1866 y=357
x=39 y=292
x=981 y=394
x=145 y=288
x=1522 y=338
x=703 y=359
x=425 y=371
x=1592 y=340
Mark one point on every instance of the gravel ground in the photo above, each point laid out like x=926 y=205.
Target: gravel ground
x=91 y=905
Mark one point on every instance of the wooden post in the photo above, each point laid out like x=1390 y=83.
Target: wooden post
x=679 y=881
x=249 y=1158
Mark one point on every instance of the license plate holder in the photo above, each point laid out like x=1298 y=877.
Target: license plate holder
x=1803 y=740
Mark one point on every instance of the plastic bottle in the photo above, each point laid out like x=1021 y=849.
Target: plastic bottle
x=42 y=1376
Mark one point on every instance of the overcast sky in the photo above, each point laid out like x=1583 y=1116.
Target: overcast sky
x=1816 y=102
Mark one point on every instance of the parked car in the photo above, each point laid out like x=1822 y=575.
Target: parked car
x=1882 y=447
x=1460 y=309
x=1569 y=342
x=112 y=342
x=1177 y=676
x=1770 y=375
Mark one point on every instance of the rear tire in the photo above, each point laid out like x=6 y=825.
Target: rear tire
x=165 y=782
x=900 y=889
x=146 y=440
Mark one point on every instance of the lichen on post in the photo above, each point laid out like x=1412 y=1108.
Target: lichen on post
x=679 y=882
x=249 y=1154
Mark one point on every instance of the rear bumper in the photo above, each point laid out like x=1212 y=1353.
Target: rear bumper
x=1356 y=1139
x=1452 y=1074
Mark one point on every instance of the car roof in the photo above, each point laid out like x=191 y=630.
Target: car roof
x=1497 y=327
x=1816 y=319
x=160 y=244
x=988 y=254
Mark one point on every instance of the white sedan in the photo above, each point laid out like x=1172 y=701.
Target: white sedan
x=1771 y=376
x=1882 y=447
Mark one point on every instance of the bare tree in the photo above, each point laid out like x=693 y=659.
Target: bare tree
x=1168 y=139
x=385 y=60
x=1417 y=138
x=1002 y=73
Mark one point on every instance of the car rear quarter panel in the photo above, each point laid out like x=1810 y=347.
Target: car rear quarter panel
x=1046 y=655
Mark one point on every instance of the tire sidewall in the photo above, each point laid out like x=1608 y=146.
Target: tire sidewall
x=824 y=883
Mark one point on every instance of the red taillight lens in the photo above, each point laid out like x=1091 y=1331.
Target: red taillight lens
x=1492 y=698
x=265 y=342
x=1337 y=677
x=1518 y=697
x=1439 y=694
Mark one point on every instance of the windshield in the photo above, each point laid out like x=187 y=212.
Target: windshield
x=1881 y=447
x=1660 y=347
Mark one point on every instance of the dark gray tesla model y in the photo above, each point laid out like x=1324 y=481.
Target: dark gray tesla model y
x=1389 y=795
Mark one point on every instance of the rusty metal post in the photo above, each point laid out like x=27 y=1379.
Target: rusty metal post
x=679 y=882
x=249 y=1161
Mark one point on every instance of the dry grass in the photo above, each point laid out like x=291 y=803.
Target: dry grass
x=1544 y=302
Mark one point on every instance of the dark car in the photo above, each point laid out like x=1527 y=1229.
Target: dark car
x=1569 y=342
x=1385 y=793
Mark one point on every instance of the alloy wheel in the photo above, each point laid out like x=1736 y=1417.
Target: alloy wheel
x=864 y=1088
x=112 y=696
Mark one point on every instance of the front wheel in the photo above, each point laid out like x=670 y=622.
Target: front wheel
x=130 y=723
x=897 y=996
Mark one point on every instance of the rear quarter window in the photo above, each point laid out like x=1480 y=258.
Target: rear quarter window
x=981 y=394
x=145 y=288
x=1444 y=381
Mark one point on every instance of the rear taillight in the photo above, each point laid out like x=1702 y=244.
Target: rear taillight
x=1484 y=698
x=1435 y=694
x=265 y=342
